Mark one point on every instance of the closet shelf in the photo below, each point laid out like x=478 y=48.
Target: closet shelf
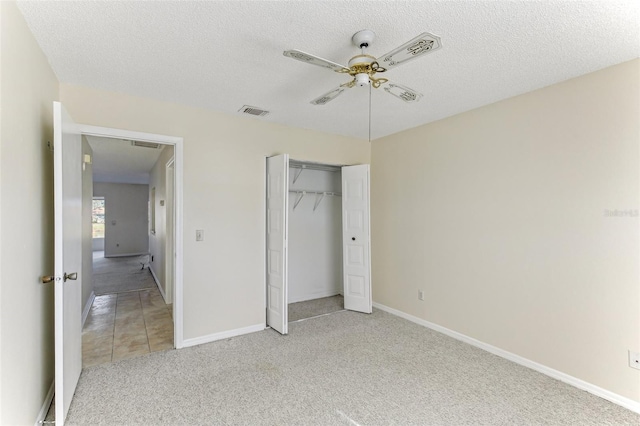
x=306 y=191
x=319 y=196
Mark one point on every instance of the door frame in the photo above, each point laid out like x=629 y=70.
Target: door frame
x=178 y=157
x=264 y=209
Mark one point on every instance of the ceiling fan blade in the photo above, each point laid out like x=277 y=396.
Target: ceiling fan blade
x=314 y=60
x=329 y=96
x=402 y=92
x=416 y=47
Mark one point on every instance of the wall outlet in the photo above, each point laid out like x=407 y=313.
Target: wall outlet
x=634 y=360
x=420 y=295
x=199 y=234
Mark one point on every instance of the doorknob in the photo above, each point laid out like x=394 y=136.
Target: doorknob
x=46 y=279
x=72 y=276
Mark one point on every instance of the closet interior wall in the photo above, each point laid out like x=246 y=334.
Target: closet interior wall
x=315 y=232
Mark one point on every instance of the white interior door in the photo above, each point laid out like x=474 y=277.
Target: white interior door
x=170 y=255
x=68 y=258
x=356 y=234
x=277 y=209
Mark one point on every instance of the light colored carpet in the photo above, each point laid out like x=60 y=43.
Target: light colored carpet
x=121 y=274
x=341 y=369
x=313 y=308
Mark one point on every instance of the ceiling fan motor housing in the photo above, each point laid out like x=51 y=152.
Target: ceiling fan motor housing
x=360 y=66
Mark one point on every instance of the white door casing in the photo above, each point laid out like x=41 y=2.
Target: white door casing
x=68 y=258
x=356 y=236
x=277 y=262
x=178 y=146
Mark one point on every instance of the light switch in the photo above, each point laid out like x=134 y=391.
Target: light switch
x=199 y=234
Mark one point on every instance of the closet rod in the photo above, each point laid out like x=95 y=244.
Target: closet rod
x=311 y=166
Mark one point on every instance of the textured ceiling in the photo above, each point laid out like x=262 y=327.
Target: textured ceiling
x=118 y=161
x=222 y=55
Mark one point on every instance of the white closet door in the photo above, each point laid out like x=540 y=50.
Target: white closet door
x=277 y=208
x=356 y=238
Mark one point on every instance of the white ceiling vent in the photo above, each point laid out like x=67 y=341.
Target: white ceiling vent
x=253 y=111
x=142 y=144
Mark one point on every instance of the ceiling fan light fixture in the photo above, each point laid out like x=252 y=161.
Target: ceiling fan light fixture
x=362 y=80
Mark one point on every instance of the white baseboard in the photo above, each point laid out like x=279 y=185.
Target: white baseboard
x=155 y=278
x=222 y=335
x=314 y=296
x=87 y=307
x=45 y=406
x=126 y=254
x=558 y=375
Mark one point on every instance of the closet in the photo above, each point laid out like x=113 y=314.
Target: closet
x=318 y=236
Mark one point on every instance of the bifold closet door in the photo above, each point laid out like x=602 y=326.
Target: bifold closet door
x=356 y=238
x=277 y=209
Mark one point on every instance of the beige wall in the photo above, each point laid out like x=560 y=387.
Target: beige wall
x=498 y=214
x=28 y=88
x=157 y=241
x=224 y=190
x=126 y=230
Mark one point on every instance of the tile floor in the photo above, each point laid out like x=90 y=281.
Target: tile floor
x=126 y=325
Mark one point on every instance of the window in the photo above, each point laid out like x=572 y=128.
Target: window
x=97 y=217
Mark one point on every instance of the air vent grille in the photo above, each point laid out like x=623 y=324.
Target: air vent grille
x=253 y=111
x=142 y=144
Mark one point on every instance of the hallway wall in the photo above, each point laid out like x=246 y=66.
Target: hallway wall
x=87 y=227
x=157 y=241
x=126 y=230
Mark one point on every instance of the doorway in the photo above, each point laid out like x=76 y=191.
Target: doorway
x=129 y=314
x=168 y=211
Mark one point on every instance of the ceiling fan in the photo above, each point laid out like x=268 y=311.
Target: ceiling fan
x=364 y=67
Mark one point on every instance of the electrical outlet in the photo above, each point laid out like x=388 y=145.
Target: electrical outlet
x=420 y=295
x=199 y=234
x=634 y=360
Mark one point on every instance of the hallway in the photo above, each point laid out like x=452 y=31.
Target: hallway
x=126 y=325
